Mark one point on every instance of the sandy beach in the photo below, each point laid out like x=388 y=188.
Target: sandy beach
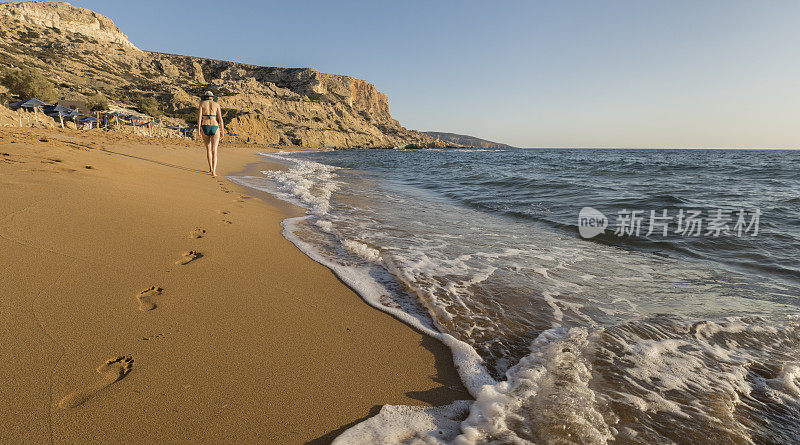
x=144 y=301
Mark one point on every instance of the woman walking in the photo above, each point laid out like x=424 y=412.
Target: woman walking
x=211 y=127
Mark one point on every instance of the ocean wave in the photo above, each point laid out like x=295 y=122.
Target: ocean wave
x=558 y=339
x=468 y=363
x=657 y=380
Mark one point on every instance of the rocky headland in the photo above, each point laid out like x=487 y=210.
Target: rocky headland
x=466 y=140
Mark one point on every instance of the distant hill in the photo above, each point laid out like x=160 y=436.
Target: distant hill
x=467 y=141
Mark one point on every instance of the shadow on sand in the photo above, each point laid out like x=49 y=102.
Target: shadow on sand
x=450 y=390
x=166 y=164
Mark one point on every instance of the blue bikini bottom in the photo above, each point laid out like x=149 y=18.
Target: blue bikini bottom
x=209 y=130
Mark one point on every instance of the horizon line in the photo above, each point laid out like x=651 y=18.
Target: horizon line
x=648 y=148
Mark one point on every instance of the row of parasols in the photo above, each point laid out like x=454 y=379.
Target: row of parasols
x=55 y=111
x=114 y=117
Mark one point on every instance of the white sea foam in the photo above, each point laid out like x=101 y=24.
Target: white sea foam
x=602 y=347
x=362 y=250
x=408 y=425
x=642 y=382
x=468 y=363
x=325 y=225
x=790 y=380
x=546 y=394
x=305 y=183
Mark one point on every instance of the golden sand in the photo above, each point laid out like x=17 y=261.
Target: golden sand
x=142 y=301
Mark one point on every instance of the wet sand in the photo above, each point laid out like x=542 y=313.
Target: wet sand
x=142 y=300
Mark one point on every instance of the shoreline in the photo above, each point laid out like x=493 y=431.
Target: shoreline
x=226 y=354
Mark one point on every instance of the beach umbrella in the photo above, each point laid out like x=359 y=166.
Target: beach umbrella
x=89 y=120
x=111 y=117
x=60 y=115
x=62 y=112
x=175 y=128
x=138 y=122
x=74 y=115
x=56 y=108
x=149 y=126
x=132 y=121
x=108 y=119
x=33 y=103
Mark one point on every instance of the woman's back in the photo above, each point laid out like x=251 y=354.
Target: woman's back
x=211 y=127
x=209 y=108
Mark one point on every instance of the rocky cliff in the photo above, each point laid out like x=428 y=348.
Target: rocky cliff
x=84 y=53
x=65 y=17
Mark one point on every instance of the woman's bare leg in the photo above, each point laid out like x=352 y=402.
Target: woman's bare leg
x=214 y=145
x=207 y=143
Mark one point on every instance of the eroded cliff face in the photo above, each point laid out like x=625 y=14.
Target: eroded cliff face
x=84 y=53
x=64 y=17
x=294 y=106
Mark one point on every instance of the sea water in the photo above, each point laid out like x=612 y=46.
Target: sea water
x=690 y=336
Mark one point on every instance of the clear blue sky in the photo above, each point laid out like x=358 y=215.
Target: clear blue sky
x=530 y=73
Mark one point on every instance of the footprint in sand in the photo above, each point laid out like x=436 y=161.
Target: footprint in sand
x=145 y=298
x=158 y=336
x=223 y=212
x=225 y=221
x=197 y=233
x=188 y=257
x=111 y=371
